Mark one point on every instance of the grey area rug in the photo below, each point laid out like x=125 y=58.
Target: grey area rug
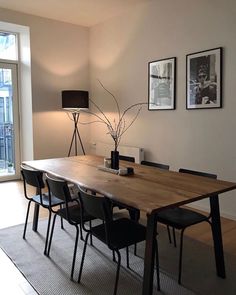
x=51 y=276
x=199 y=271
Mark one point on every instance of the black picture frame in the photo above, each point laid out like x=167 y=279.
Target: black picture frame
x=162 y=84
x=204 y=79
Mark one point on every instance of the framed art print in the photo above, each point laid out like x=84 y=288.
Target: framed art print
x=161 y=84
x=204 y=79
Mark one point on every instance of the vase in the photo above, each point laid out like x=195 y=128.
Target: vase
x=115 y=160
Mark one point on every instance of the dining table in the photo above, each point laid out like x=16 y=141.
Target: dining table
x=149 y=190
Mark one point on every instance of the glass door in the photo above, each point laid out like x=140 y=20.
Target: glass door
x=9 y=123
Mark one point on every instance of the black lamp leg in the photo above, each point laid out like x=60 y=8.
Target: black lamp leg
x=72 y=140
x=75 y=134
x=80 y=141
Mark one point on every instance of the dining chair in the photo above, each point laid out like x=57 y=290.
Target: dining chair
x=181 y=218
x=34 y=178
x=127 y=158
x=115 y=233
x=157 y=165
x=70 y=212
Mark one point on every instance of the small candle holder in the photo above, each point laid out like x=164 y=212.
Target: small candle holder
x=107 y=162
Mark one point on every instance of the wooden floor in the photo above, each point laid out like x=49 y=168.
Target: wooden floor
x=12 y=212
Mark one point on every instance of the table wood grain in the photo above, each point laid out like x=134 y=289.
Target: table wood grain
x=150 y=189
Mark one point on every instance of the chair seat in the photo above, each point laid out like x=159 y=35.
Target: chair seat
x=74 y=212
x=54 y=200
x=180 y=217
x=124 y=233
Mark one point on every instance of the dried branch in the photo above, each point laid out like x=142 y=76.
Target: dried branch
x=132 y=122
x=108 y=121
x=87 y=123
x=94 y=114
x=117 y=105
x=115 y=129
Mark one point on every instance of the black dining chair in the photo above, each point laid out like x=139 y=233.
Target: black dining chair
x=70 y=212
x=34 y=178
x=116 y=234
x=181 y=218
x=127 y=158
x=157 y=165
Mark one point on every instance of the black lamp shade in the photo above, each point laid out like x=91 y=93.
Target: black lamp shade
x=75 y=99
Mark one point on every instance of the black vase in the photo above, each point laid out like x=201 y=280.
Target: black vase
x=115 y=160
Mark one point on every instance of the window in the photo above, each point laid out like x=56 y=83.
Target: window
x=16 y=68
x=9 y=146
x=8 y=46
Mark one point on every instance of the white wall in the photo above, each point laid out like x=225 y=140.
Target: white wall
x=120 y=50
x=59 y=60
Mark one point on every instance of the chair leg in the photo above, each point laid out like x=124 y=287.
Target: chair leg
x=62 y=227
x=169 y=235
x=52 y=230
x=174 y=237
x=75 y=251
x=127 y=257
x=113 y=256
x=91 y=236
x=26 y=219
x=180 y=256
x=83 y=256
x=157 y=266
x=117 y=272
x=47 y=234
x=135 y=249
x=81 y=232
x=134 y=215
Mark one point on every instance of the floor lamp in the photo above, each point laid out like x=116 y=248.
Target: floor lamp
x=73 y=101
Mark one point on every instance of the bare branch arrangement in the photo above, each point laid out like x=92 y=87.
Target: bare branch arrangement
x=116 y=127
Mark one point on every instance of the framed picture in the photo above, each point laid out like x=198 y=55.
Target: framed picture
x=204 y=79
x=161 y=84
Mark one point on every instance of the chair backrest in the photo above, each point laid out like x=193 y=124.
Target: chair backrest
x=58 y=188
x=94 y=205
x=198 y=173
x=32 y=177
x=98 y=207
x=127 y=158
x=158 y=165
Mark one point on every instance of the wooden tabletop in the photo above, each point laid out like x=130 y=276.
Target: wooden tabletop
x=150 y=189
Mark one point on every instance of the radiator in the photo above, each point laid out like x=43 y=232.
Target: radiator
x=104 y=149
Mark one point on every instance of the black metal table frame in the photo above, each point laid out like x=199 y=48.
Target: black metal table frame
x=150 y=247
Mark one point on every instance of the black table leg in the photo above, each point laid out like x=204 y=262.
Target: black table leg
x=36 y=213
x=149 y=255
x=36 y=217
x=217 y=236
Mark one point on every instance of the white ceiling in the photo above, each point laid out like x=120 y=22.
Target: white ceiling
x=80 y=12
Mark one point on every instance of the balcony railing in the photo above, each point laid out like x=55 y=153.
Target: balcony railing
x=6 y=148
